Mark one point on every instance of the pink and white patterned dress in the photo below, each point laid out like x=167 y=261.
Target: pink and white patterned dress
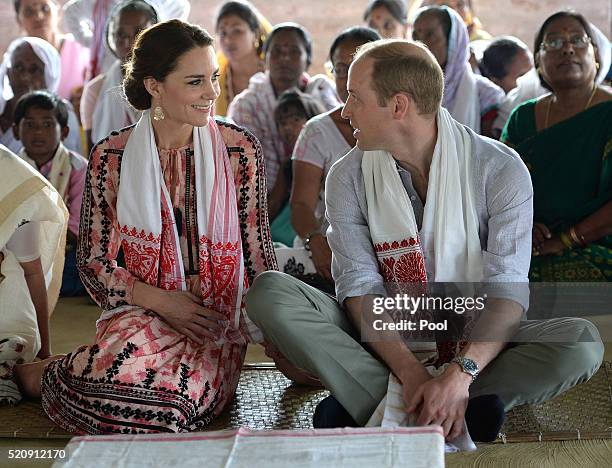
x=140 y=375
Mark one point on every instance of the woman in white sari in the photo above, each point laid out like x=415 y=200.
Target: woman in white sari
x=33 y=222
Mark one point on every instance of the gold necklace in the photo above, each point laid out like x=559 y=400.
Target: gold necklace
x=551 y=100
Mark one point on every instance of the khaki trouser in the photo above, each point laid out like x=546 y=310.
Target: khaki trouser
x=314 y=333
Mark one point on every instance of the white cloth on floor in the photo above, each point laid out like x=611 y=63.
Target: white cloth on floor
x=320 y=448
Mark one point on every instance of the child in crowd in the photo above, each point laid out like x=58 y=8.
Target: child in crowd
x=41 y=123
x=293 y=110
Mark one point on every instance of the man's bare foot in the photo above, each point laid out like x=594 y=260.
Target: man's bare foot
x=29 y=376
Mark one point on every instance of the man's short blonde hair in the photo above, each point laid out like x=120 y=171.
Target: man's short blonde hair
x=399 y=68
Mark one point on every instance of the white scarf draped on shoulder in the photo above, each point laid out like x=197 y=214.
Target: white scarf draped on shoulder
x=447 y=249
x=148 y=228
x=448 y=245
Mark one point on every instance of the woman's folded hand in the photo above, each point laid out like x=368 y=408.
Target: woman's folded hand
x=185 y=313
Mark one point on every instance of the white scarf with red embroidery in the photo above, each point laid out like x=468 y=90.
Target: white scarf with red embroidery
x=448 y=246
x=148 y=228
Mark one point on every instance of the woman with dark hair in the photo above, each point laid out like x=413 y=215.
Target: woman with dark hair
x=388 y=17
x=324 y=140
x=242 y=32
x=529 y=86
x=183 y=197
x=565 y=138
x=103 y=106
x=288 y=52
x=471 y=99
x=505 y=60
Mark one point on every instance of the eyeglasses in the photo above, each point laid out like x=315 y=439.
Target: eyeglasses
x=339 y=71
x=557 y=43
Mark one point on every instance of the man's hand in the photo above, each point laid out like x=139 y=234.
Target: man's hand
x=412 y=378
x=185 y=313
x=442 y=400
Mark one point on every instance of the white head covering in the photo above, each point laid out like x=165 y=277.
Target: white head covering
x=171 y=9
x=605 y=54
x=45 y=52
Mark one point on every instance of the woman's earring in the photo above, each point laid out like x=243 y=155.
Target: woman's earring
x=596 y=65
x=158 y=113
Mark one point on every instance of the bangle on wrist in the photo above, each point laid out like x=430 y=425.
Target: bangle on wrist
x=576 y=238
x=567 y=242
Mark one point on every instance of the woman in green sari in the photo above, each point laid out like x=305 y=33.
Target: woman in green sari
x=565 y=139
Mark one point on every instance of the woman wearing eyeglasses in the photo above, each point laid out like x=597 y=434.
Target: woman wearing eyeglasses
x=565 y=138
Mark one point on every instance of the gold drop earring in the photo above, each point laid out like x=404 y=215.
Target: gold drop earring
x=158 y=113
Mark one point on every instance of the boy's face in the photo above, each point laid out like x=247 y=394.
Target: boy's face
x=40 y=132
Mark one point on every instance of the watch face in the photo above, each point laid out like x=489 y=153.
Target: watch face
x=470 y=366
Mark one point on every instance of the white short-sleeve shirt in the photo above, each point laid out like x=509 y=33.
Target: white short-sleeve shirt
x=321 y=144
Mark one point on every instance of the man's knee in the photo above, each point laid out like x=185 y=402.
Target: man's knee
x=590 y=351
x=268 y=297
x=258 y=295
x=581 y=359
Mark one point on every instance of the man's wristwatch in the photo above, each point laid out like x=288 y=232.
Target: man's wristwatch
x=468 y=366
